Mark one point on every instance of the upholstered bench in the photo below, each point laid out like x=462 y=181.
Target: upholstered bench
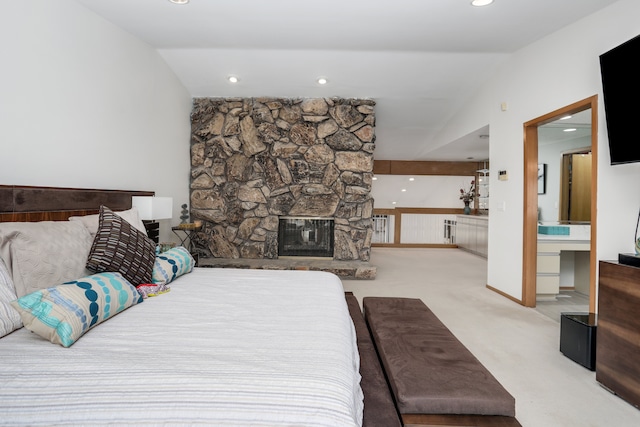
x=434 y=378
x=379 y=409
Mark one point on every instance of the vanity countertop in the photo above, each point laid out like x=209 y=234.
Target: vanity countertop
x=566 y=239
x=578 y=233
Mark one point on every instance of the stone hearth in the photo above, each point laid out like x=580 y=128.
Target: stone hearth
x=352 y=270
x=254 y=160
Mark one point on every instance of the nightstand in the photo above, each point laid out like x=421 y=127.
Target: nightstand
x=153 y=230
x=184 y=234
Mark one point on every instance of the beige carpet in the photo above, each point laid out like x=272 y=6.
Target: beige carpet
x=520 y=346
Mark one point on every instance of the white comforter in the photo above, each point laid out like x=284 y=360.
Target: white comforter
x=224 y=347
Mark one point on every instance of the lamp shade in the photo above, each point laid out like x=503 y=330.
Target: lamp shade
x=152 y=208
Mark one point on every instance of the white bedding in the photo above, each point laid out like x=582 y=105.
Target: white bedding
x=224 y=347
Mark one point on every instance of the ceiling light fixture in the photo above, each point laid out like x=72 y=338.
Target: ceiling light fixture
x=233 y=79
x=412 y=179
x=404 y=190
x=570 y=130
x=566 y=117
x=481 y=2
x=179 y=1
x=322 y=80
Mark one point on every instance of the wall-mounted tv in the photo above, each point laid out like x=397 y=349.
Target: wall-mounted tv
x=621 y=89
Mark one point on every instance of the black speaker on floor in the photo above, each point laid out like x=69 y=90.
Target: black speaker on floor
x=578 y=338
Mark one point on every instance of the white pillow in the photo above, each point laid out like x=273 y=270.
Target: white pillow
x=131 y=216
x=9 y=317
x=43 y=254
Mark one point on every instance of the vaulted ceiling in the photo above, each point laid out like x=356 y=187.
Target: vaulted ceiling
x=421 y=60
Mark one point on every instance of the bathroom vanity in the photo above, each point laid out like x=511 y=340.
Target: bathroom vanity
x=563 y=260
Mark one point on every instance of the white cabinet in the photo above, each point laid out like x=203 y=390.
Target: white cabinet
x=472 y=234
x=550 y=273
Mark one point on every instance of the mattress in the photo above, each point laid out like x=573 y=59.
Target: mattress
x=224 y=347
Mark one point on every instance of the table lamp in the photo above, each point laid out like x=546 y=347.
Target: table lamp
x=151 y=209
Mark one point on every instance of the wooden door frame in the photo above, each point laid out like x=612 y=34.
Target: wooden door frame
x=530 y=222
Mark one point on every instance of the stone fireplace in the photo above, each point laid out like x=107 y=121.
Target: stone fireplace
x=303 y=236
x=256 y=160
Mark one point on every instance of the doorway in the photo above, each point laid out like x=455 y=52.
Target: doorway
x=575 y=190
x=530 y=222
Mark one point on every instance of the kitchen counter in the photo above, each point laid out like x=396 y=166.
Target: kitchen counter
x=472 y=234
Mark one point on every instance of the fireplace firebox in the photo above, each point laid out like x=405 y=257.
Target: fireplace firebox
x=304 y=236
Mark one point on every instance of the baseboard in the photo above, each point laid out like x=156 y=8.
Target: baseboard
x=414 y=245
x=498 y=291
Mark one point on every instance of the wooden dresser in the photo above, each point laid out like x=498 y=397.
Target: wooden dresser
x=618 y=344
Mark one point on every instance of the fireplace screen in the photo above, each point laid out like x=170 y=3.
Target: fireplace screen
x=305 y=237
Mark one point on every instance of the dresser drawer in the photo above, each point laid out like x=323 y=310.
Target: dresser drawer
x=548 y=284
x=548 y=263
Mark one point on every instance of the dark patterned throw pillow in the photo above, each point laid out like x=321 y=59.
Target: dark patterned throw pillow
x=120 y=247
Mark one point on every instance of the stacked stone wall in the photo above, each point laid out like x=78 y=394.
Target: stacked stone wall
x=256 y=159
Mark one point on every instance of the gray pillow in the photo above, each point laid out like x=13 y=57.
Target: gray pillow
x=9 y=317
x=43 y=254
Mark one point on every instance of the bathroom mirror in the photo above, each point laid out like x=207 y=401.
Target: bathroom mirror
x=564 y=169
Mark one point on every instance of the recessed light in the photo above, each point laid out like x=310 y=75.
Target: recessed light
x=233 y=79
x=179 y=1
x=393 y=203
x=322 y=80
x=403 y=190
x=412 y=179
x=375 y=178
x=481 y=2
x=570 y=130
x=565 y=117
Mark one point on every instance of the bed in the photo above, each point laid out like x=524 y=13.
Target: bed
x=220 y=347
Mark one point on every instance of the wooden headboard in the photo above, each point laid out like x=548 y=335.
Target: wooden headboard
x=29 y=204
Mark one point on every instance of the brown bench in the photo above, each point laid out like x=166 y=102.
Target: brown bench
x=379 y=408
x=434 y=378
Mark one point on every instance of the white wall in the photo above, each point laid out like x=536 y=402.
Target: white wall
x=85 y=104
x=422 y=191
x=554 y=72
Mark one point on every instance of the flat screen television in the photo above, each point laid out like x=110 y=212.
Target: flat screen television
x=621 y=90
